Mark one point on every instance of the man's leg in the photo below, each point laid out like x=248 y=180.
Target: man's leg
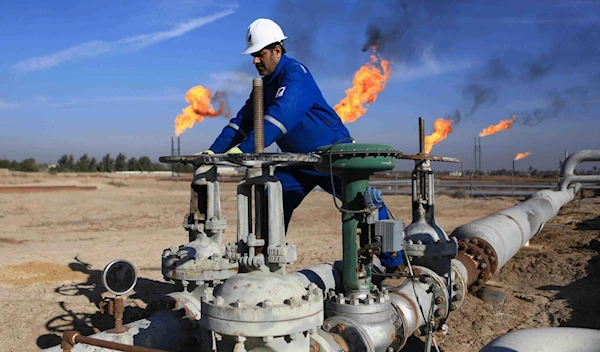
x=295 y=187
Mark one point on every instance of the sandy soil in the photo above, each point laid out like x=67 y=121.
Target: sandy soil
x=54 y=246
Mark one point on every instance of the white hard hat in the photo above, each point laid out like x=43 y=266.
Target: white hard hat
x=261 y=33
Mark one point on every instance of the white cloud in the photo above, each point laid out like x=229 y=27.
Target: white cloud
x=428 y=66
x=7 y=105
x=98 y=47
x=236 y=82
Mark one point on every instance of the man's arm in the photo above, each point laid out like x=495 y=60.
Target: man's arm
x=292 y=102
x=238 y=128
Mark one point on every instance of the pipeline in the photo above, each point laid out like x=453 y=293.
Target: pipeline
x=411 y=299
x=567 y=171
x=416 y=300
x=546 y=340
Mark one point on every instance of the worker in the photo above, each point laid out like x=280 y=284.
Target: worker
x=296 y=116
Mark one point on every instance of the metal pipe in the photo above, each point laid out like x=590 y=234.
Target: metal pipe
x=421 y=135
x=165 y=330
x=546 y=340
x=508 y=230
x=567 y=172
x=479 y=156
x=71 y=338
x=327 y=276
x=259 y=131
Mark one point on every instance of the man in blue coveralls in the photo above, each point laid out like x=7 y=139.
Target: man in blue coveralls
x=296 y=116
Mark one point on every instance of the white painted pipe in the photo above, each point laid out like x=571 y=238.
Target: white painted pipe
x=508 y=230
x=547 y=340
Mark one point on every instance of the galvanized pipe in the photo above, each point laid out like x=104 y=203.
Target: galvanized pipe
x=567 y=172
x=546 y=340
x=259 y=131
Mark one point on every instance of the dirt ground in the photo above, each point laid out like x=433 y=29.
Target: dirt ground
x=54 y=246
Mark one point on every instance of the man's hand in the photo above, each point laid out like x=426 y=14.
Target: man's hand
x=204 y=152
x=234 y=150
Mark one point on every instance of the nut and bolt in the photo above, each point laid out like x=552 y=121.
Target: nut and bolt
x=314 y=347
x=326 y=326
x=453 y=307
x=487 y=250
x=341 y=328
x=478 y=257
x=492 y=259
x=483 y=266
x=439 y=312
x=457 y=287
x=439 y=300
x=456 y=298
x=475 y=241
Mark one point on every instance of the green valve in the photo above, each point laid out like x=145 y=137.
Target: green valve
x=355 y=163
x=357 y=157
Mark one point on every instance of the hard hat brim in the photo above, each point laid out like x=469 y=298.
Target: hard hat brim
x=258 y=47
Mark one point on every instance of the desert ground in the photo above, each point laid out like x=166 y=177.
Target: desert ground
x=54 y=245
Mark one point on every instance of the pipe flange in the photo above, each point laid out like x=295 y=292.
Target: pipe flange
x=348 y=333
x=374 y=302
x=458 y=289
x=268 y=318
x=484 y=258
x=440 y=293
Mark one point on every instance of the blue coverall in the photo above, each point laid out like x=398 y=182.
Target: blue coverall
x=299 y=119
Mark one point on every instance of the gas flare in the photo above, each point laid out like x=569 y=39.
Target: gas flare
x=200 y=107
x=501 y=126
x=522 y=155
x=367 y=83
x=441 y=128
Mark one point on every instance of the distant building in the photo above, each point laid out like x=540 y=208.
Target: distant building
x=456 y=173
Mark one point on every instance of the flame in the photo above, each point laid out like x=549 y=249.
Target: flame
x=501 y=126
x=522 y=155
x=200 y=107
x=368 y=81
x=441 y=128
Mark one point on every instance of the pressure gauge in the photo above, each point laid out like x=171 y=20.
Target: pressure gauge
x=119 y=277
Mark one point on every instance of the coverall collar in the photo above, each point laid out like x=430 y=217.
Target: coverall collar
x=284 y=59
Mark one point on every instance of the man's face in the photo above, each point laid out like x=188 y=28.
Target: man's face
x=266 y=60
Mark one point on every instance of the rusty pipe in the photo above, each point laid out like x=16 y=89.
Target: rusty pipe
x=71 y=338
x=257 y=100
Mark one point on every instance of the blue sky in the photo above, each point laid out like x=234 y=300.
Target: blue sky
x=96 y=77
